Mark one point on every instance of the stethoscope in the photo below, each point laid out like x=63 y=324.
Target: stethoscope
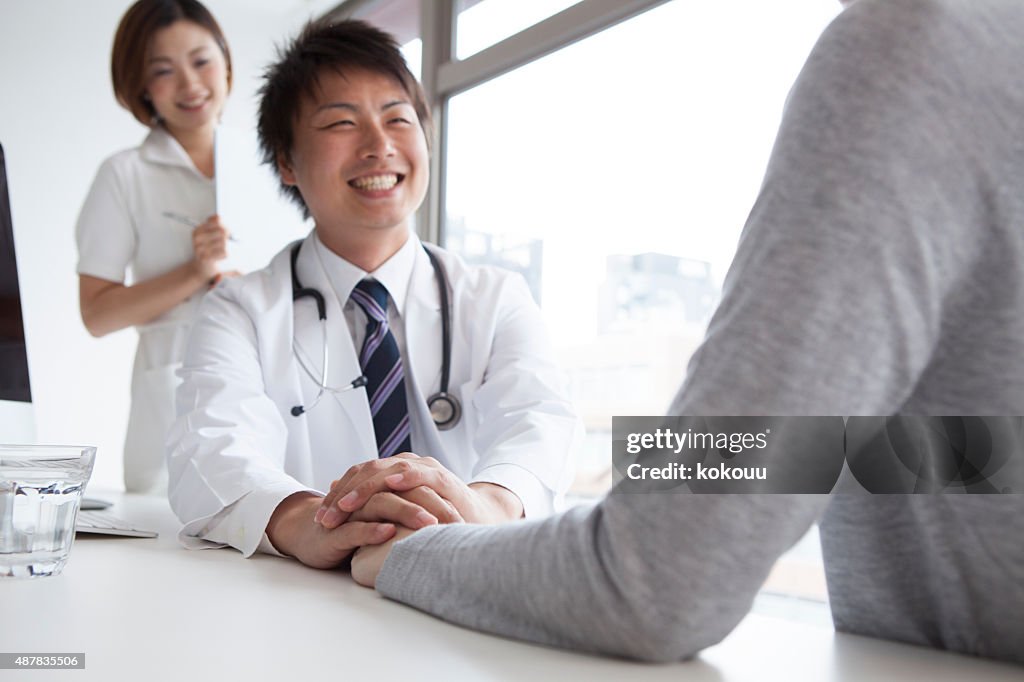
x=445 y=408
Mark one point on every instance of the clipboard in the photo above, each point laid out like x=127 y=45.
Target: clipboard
x=250 y=203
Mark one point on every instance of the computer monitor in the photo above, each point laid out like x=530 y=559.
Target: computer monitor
x=16 y=419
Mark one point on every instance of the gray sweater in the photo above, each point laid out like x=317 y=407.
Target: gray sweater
x=881 y=271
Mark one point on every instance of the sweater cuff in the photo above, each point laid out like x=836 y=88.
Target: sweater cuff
x=398 y=578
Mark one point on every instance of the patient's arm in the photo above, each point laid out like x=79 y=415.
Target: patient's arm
x=367 y=561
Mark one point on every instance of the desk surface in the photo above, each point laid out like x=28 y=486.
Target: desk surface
x=148 y=609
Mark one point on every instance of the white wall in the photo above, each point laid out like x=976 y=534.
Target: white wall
x=58 y=121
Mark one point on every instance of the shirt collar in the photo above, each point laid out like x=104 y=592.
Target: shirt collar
x=395 y=273
x=161 y=147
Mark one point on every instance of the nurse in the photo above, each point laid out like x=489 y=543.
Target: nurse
x=148 y=240
x=284 y=395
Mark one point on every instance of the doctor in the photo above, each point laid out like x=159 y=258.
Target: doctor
x=286 y=391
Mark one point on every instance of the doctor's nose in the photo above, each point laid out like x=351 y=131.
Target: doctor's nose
x=376 y=143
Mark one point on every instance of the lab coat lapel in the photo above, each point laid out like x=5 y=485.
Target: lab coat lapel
x=340 y=418
x=423 y=326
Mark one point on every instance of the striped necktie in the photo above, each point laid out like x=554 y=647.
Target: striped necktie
x=382 y=366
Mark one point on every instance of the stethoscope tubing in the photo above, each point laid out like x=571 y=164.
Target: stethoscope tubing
x=445 y=409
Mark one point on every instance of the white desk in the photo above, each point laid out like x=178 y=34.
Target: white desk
x=145 y=609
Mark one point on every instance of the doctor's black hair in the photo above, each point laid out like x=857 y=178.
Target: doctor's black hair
x=131 y=43
x=322 y=45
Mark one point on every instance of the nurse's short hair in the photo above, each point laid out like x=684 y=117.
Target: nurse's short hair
x=321 y=45
x=131 y=42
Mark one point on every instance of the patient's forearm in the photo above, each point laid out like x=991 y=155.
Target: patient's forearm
x=655 y=577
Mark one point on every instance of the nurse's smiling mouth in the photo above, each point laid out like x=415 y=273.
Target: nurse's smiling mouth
x=193 y=105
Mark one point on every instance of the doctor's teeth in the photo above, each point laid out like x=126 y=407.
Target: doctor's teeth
x=376 y=182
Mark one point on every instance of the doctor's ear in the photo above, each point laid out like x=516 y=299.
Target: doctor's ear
x=284 y=169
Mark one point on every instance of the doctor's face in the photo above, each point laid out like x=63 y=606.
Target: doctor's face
x=359 y=156
x=186 y=78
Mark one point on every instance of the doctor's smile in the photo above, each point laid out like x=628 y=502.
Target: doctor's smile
x=377 y=184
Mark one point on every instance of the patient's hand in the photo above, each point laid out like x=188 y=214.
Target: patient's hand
x=292 y=531
x=368 y=560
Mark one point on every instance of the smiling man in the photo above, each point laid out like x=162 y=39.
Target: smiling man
x=358 y=353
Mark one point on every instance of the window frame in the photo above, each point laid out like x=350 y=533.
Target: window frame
x=444 y=76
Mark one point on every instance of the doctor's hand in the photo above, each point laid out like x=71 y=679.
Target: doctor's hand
x=209 y=245
x=414 y=508
x=292 y=532
x=401 y=474
x=368 y=560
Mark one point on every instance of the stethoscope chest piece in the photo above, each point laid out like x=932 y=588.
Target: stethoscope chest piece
x=444 y=410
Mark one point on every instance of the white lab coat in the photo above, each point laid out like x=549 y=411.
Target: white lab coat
x=235 y=451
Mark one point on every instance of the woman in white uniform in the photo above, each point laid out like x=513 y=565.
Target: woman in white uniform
x=148 y=240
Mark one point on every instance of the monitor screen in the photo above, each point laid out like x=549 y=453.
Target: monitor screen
x=14 y=385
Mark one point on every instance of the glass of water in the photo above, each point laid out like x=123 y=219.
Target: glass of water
x=40 y=491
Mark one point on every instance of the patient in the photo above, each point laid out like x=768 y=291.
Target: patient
x=881 y=271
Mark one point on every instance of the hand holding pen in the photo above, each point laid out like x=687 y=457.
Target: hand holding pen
x=209 y=244
x=185 y=220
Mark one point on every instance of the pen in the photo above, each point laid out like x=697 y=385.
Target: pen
x=185 y=220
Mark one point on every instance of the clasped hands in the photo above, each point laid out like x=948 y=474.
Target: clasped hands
x=377 y=503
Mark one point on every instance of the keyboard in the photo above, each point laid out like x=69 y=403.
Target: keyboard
x=102 y=523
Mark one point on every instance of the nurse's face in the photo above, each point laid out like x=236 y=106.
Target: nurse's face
x=186 y=78
x=359 y=157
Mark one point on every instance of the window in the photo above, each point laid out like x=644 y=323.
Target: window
x=616 y=174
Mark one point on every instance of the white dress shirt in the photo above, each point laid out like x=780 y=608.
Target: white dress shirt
x=394 y=275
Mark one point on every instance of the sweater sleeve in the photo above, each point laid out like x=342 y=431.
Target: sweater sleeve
x=651 y=577
x=832 y=307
